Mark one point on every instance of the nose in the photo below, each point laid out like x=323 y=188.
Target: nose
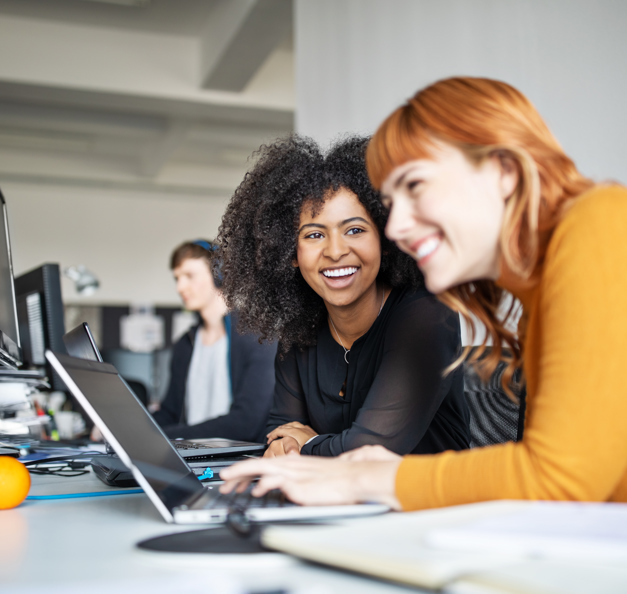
x=180 y=283
x=399 y=220
x=336 y=247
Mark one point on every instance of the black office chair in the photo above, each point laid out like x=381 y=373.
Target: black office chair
x=494 y=417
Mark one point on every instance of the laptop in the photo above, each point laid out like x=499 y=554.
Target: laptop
x=80 y=343
x=164 y=476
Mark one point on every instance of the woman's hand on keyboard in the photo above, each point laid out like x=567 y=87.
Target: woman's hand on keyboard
x=311 y=480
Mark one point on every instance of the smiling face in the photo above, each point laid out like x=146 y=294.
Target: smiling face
x=446 y=212
x=339 y=250
x=194 y=283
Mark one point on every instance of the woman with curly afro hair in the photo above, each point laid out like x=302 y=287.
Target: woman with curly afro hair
x=362 y=344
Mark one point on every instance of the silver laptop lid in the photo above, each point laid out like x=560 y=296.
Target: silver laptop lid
x=131 y=431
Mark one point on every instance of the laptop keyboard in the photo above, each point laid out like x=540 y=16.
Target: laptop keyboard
x=188 y=446
x=245 y=500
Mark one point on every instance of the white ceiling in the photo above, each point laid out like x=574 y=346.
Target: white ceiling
x=102 y=95
x=172 y=17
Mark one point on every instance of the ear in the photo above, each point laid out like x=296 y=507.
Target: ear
x=295 y=263
x=509 y=176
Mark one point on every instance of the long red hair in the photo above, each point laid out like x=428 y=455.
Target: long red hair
x=483 y=117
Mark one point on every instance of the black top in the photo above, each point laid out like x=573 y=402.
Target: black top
x=252 y=383
x=395 y=393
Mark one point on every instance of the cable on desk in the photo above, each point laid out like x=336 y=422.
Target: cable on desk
x=78 y=495
x=9 y=450
x=65 y=470
x=70 y=468
x=60 y=458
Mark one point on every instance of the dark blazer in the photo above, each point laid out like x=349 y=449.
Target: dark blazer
x=252 y=386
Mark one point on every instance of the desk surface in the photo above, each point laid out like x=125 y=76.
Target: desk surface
x=62 y=545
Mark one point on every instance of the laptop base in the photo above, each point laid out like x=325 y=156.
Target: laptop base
x=111 y=471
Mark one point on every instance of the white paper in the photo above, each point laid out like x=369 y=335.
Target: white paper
x=545 y=529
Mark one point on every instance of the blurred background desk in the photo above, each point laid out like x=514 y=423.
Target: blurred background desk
x=88 y=544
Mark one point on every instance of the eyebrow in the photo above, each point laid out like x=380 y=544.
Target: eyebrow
x=397 y=184
x=340 y=224
x=400 y=180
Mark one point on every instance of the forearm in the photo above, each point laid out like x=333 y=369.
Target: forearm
x=286 y=409
x=401 y=441
x=375 y=482
x=454 y=478
x=530 y=469
x=323 y=445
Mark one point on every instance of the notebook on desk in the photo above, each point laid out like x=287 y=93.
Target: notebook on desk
x=80 y=343
x=515 y=547
x=165 y=477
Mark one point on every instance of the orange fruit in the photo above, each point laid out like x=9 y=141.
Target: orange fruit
x=14 y=482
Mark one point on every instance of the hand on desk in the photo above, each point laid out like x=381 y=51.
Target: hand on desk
x=282 y=447
x=312 y=480
x=288 y=438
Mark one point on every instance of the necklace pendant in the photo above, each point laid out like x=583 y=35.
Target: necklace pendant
x=346 y=356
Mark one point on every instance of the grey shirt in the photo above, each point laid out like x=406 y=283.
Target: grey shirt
x=208 y=390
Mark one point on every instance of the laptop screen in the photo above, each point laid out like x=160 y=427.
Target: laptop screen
x=133 y=428
x=80 y=343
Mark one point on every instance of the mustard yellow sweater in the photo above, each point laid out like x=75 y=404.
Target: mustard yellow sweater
x=575 y=439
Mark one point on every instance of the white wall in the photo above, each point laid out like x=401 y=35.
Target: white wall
x=124 y=238
x=356 y=60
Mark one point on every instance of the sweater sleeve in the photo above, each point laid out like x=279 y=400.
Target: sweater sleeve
x=422 y=339
x=574 y=445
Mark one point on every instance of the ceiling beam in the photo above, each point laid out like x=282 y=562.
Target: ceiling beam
x=155 y=157
x=129 y=103
x=239 y=38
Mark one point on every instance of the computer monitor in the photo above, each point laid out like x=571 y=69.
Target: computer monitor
x=10 y=351
x=40 y=317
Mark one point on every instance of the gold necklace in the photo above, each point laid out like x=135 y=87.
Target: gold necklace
x=346 y=351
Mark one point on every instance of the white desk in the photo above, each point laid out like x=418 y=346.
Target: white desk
x=75 y=546
x=88 y=545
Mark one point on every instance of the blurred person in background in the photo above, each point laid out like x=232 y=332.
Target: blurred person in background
x=221 y=381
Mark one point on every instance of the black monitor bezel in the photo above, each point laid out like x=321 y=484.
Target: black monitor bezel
x=10 y=349
x=45 y=280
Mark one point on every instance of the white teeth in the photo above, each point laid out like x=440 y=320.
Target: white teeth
x=340 y=272
x=427 y=247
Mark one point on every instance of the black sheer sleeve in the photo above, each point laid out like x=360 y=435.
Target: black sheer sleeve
x=289 y=398
x=421 y=339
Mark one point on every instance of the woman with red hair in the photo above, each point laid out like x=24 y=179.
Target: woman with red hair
x=483 y=197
